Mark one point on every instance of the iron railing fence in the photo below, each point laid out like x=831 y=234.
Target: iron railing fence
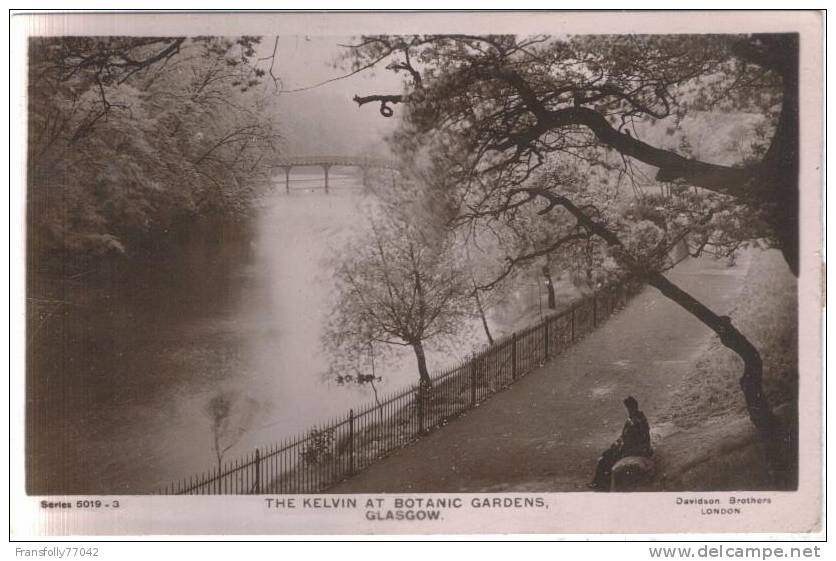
x=332 y=451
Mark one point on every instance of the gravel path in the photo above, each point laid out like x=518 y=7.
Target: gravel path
x=546 y=432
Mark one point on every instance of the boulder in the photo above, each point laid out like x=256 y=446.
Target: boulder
x=631 y=472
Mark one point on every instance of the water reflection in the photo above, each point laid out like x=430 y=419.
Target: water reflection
x=122 y=364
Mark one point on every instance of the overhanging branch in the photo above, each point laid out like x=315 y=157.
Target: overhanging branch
x=384 y=100
x=722 y=179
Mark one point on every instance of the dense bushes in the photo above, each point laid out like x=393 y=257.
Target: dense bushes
x=129 y=136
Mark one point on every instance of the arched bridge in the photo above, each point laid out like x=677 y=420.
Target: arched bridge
x=327 y=162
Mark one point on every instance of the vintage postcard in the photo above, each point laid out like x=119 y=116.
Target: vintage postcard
x=417 y=273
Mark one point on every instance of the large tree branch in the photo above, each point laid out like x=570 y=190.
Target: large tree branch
x=722 y=179
x=583 y=219
x=137 y=65
x=384 y=100
x=756 y=402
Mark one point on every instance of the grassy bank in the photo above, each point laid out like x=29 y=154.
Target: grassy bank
x=766 y=313
x=705 y=441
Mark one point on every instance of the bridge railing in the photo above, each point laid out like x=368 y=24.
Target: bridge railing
x=327 y=162
x=351 y=161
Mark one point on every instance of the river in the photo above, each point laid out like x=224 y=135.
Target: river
x=120 y=370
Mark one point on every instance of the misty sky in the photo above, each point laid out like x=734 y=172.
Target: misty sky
x=324 y=119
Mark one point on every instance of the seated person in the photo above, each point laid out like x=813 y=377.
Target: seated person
x=634 y=441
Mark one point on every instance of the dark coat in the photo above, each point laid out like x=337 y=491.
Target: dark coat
x=635 y=436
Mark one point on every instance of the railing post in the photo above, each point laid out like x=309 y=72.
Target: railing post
x=473 y=366
x=420 y=395
x=546 y=338
x=257 y=486
x=572 y=316
x=351 y=441
x=514 y=355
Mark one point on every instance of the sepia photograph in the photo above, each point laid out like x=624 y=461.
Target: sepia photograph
x=410 y=268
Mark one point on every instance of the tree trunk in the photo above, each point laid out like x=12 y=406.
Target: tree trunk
x=779 y=171
x=377 y=400
x=777 y=439
x=775 y=183
x=424 y=375
x=550 y=288
x=482 y=316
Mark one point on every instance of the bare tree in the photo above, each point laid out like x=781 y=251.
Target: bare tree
x=231 y=417
x=398 y=285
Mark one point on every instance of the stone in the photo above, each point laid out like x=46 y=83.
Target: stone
x=631 y=472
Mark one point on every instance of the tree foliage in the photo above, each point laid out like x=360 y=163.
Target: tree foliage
x=398 y=284
x=128 y=135
x=509 y=105
x=539 y=133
